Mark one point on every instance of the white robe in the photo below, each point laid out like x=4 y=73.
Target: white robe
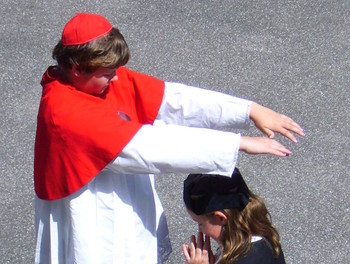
x=115 y=218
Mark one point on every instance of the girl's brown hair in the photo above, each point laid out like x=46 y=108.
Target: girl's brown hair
x=109 y=51
x=236 y=235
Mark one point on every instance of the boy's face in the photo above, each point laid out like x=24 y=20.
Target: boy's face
x=94 y=83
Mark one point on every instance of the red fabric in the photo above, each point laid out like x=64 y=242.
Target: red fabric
x=79 y=134
x=84 y=27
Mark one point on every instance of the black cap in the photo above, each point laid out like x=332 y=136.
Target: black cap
x=205 y=193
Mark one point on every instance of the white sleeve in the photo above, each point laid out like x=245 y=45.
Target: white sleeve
x=172 y=148
x=196 y=107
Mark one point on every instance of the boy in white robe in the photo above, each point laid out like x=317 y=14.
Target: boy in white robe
x=104 y=130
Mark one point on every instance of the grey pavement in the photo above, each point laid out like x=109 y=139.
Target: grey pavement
x=292 y=56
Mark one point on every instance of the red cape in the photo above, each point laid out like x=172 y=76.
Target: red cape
x=79 y=134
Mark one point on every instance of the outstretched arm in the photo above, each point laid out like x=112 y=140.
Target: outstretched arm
x=170 y=148
x=269 y=122
x=195 y=107
x=189 y=106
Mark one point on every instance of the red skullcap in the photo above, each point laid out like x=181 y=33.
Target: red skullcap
x=84 y=27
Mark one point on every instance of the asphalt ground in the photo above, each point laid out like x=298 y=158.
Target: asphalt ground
x=292 y=56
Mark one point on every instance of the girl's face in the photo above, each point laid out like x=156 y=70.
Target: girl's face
x=209 y=225
x=94 y=83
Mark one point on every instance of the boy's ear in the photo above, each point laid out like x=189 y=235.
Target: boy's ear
x=75 y=71
x=220 y=218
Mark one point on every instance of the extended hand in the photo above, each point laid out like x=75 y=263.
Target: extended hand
x=263 y=145
x=269 y=121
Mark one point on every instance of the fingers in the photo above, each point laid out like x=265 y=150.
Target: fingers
x=189 y=252
x=197 y=253
x=200 y=241
x=193 y=240
x=207 y=245
x=274 y=148
x=204 y=255
x=291 y=126
x=285 y=130
x=192 y=249
x=269 y=121
x=278 y=149
x=192 y=252
x=186 y=252
x=269 y=133
x=289 y=135
x=263 y=145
